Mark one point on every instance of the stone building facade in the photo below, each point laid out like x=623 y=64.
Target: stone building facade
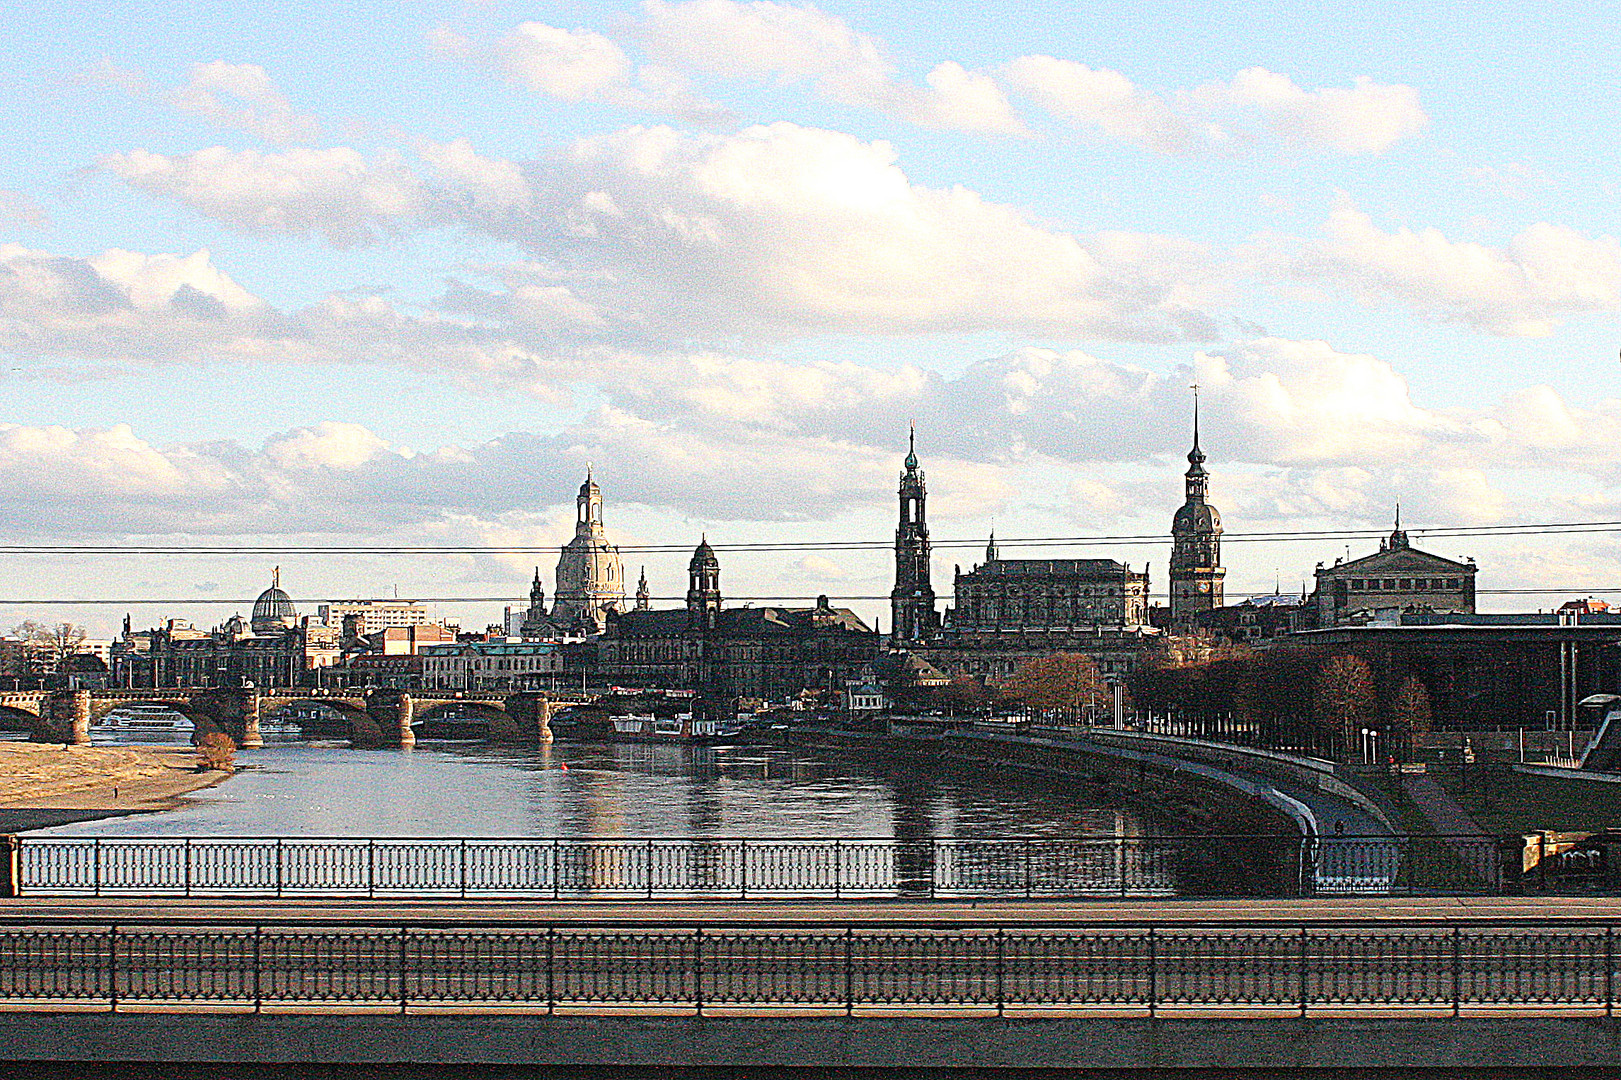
x=770 y=654
x=913 y=616
x=590 y=576
x=1398 y=578
x=1196 y=572
x=1024 y=595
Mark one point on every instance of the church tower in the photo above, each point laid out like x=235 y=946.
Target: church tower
x=703 y=588
x=1196 y=571
x=912 y=615
x=644 y=599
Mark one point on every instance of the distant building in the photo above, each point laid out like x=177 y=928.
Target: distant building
x=1257 y=621
x=758 y=653
x=373 y=615
x=492 y=665
x=1396 y=579
x=912 y=613
x=276 y=648
x=590 y=577
x=408 y=640
x=274 y=610
x=1196 y=571
x=1017 y=596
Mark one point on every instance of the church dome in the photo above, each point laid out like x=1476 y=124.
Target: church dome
x=274 y=609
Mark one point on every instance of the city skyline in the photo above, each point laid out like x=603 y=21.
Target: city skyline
x=724 y=251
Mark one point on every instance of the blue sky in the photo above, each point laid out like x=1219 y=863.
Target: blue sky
x=394 y=273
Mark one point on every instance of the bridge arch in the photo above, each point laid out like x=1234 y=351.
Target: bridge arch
x=362 y=728
x=19 y=718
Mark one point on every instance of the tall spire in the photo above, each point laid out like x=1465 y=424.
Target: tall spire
x=911 y=448
x=991 y=553
x=1398 y=538
x=1196 y=456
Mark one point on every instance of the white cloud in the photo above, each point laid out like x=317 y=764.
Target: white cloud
x=1545 y=273
x=788 y=229
x=120 y=305
x=801 y=43
x=243 y=96
x=18 y=209
x=579 y=65
x=336 y=192
x=569 y=64
x=1366 y=118
x=490 y=182
x=1107 y=101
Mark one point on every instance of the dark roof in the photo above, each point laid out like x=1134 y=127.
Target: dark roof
x=1048 y=568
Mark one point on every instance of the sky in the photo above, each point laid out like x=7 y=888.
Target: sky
x=354 y=275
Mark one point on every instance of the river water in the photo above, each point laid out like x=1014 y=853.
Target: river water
x=605 y=790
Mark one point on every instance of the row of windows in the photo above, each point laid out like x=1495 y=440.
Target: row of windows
x=1039 y=591
x=1403 y=584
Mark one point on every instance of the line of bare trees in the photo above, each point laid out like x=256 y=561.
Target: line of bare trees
x=1319 y=700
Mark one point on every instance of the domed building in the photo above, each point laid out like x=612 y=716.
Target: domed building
x=274 y=612
x=590 y=577
x=1196 y=570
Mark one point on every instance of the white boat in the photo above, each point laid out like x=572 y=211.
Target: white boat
x=681 y=726
x=146 y=717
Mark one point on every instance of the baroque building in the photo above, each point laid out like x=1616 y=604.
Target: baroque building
x=770 y=654
x=276 y=648
x=1396 y=579
x=1008 y=611
x=912 y=613
x=1196 y=570
x=590 y=578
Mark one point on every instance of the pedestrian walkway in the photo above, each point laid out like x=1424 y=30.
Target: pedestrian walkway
x=1442 y=811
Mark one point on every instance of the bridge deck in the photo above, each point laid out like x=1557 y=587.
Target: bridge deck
x=811 y=913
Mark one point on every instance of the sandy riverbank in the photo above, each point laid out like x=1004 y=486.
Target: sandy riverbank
x=44 y=784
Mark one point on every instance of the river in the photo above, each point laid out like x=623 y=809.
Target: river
x=603 y=790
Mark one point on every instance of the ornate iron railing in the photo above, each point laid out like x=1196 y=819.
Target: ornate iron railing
x=1258 y=866
x=1295 y=967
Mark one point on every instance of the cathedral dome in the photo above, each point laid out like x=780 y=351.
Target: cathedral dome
x=274 y=609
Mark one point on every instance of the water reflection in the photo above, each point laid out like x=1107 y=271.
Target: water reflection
x=612 y=790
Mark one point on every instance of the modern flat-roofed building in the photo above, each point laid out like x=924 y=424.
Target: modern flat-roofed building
x=373 y=615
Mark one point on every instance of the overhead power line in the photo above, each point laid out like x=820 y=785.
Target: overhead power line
x=1277 y=535
x=1585 y=590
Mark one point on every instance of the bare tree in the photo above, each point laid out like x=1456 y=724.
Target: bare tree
x=1410 y=715
x=1344 y=700
x=1059 y=685
x=45 y=646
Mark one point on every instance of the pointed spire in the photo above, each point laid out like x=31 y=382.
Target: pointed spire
x=1398 y=537
x=911 y=448
x=991 y=552
x=1196 y=458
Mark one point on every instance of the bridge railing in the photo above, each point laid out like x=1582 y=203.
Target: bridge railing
x=1295 y=967
x=1254 y=866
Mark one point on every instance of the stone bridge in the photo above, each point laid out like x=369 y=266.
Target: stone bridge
x=374 y=718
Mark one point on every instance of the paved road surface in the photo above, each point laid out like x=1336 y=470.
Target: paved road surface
x=791 y=913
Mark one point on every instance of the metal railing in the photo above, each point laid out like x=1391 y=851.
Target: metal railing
x=1296 y=967
x=1243 y=866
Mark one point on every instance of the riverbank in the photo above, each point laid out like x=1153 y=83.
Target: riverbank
x=45 y=784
